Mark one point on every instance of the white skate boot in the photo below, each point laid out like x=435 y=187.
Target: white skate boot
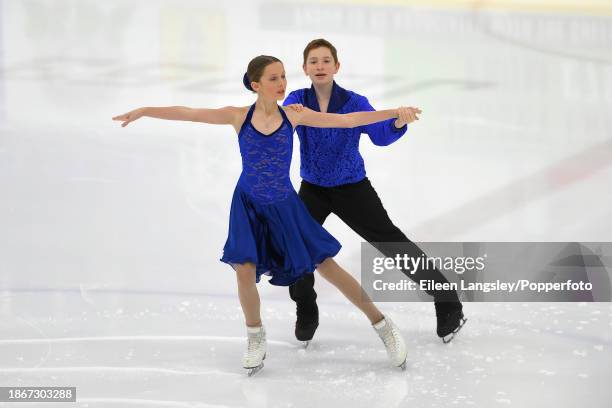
x=393 y=340
x=256 y=350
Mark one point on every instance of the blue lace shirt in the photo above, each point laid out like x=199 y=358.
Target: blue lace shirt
x=330 y=157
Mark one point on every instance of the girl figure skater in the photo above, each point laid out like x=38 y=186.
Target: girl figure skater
x=270 y=229
x=334 y=180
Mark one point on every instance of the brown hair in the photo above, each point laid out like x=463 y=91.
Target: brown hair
x=256 y=68
x=320 y=42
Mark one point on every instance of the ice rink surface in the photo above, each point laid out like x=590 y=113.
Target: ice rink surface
x=110 y=237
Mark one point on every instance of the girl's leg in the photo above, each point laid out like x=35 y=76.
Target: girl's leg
x=386 y=329
x=247 y=292
x=256 y=334
x=341 y=279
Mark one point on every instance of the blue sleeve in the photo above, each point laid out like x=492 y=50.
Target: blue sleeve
x=381 y=133
x=292 y=98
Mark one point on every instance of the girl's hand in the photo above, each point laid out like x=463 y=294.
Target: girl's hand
x=296 y=107
x=130 y=116
x=406 y=115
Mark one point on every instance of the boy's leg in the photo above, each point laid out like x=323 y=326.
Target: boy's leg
x=302 y=292
x=359 y=206
x=352 y=202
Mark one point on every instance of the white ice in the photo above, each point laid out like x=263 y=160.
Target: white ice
x=110 y=237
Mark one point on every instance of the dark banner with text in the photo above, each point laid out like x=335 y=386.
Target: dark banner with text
x=487 y=271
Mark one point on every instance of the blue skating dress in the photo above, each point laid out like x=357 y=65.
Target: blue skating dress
x=269 y=225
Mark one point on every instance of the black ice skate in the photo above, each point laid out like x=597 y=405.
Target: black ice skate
x=307 y=322
x=450 y=320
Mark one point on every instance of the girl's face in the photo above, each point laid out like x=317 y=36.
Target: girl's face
x=320 y=66
x=273 y=83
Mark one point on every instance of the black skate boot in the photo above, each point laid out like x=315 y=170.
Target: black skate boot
x=450 y=319
x=307 y=321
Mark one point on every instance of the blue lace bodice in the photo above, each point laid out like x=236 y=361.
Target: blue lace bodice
x=266 y=160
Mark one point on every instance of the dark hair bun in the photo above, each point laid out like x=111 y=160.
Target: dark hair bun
x=246 y=82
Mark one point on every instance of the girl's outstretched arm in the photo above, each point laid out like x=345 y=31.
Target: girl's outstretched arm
x=308 y=117
x=222 y=116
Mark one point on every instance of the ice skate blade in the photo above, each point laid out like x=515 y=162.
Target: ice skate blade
x=447 y=339
x=403 y=366
x=306 y=343
x=254 y=370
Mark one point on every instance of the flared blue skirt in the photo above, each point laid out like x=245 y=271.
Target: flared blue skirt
x=281 y=239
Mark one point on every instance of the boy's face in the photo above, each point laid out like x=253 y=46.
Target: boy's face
x=320 y=66
x=273 y=83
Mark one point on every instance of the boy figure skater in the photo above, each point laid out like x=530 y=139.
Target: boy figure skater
x=334 y=181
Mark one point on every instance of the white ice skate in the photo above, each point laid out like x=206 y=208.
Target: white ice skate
x=393 y=340
x=256 y=350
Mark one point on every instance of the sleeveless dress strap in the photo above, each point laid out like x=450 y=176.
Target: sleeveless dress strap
x=250 y=114
x=248 y=118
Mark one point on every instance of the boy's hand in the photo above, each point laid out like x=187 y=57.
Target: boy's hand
x=406 y=115
x=297 y=107
x=130 y=116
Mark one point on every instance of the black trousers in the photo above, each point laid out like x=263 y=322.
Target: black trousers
x=359 y=207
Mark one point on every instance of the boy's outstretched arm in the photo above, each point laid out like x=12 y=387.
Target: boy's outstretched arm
x=385 y=133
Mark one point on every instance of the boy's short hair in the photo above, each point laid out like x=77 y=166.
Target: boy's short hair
x=320 y=42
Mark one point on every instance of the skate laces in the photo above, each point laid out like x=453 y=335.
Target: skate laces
x=254 y=341
x=389 y=336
